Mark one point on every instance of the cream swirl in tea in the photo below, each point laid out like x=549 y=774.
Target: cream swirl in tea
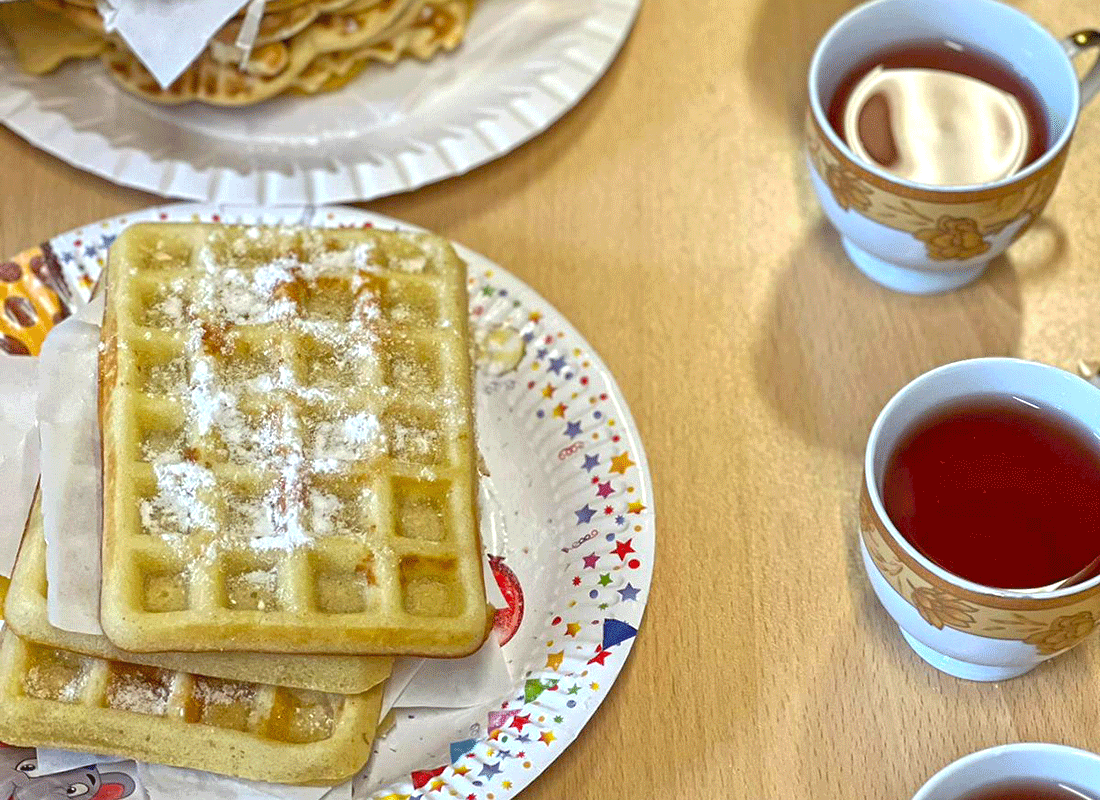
x=939 y=114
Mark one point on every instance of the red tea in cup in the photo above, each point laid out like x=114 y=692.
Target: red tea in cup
x=999 y=490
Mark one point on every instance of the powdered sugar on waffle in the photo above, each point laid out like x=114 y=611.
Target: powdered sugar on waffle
x=139 y=696
x=229 y=295
x=44 y=682
x=417 y=442
x=355 y=437
x=211 y=404
x=286 y=499
x=324 y=509
x=210 y=691
x=178 y=505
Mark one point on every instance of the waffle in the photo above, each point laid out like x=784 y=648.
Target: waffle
x=270 y=5
x=278 y=22
x=42 y=40
x=25 y=611
x=443 y=28
x=213 y=80
x=53 y=698
x=84 y=18
x=275 y=25
x=300 y=48
x=288 y=446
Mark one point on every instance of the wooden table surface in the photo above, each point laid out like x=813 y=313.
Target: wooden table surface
x=670 y=218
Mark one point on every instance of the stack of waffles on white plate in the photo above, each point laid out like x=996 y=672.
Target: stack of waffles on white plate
x=302 y=46
x=289 y=490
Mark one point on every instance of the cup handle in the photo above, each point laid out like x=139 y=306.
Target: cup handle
x=1074 y=45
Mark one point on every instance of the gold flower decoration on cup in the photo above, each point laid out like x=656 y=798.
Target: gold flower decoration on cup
x=940 y=608
x=919 y=238
x=953 y=238
x=1063 y=633
x=848 y=189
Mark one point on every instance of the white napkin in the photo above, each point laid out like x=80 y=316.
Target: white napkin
x=459 y=682
x=18 y=451
x=167 y=35
x=404 y=672
x=71 y=492
x=50 y=761
x=173 y=783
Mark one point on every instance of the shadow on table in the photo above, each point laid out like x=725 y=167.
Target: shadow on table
x=866 y=711
x=833 y=346
x=906 y=719
x=784 y=35
x=909 y=718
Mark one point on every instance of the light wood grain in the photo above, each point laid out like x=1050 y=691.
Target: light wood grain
x=670 y=218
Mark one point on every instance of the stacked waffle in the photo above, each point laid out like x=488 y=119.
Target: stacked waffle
x=302 y=46
x=289 y=501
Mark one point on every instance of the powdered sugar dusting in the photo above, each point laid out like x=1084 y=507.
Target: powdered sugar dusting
x=44 y=682
x=140 y=697
x=413 y=442
x=249 y=518
x=210 y=402
x=323 y=511
x=362 y=255
x=284 y=501
x=210 y=691
x=357 y=437
x=285 y=406
x=179 y=505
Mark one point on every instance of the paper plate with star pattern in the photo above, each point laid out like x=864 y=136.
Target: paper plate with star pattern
x=570 y=528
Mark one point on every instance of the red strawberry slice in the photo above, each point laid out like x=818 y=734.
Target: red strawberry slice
x=507 y=620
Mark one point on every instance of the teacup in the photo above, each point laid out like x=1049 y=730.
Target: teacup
x=1046 y=762
x=925 y=239
x=960 y=627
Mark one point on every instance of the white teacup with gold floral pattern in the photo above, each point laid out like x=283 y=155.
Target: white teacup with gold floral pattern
x=1051 y=764
x=919 y=238
x=958 y=626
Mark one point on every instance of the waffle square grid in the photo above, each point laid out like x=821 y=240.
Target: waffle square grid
x=288 y=443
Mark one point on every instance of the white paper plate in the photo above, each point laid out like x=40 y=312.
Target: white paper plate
x=524 y=64
x=572 y=531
